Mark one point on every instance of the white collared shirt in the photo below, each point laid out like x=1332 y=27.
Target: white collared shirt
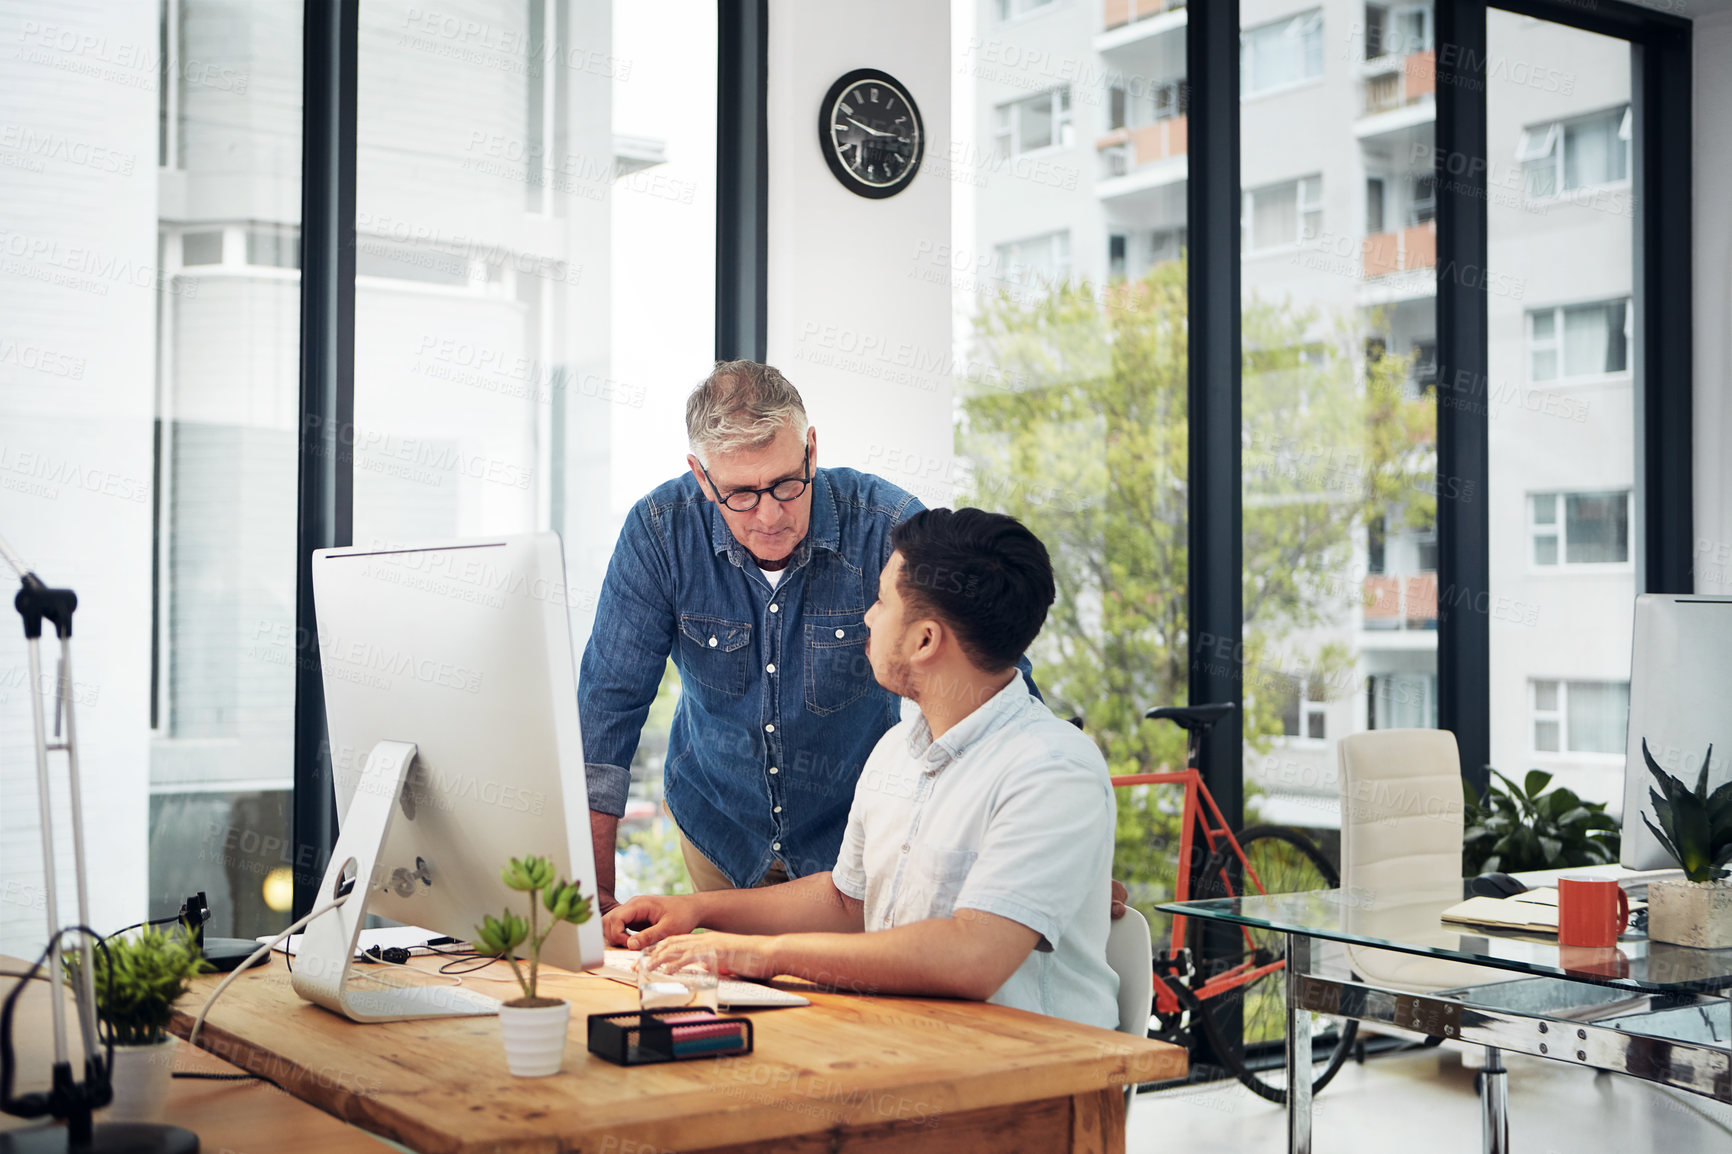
x=1011 y=812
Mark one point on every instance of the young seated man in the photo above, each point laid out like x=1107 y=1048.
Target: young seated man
x=981 y=834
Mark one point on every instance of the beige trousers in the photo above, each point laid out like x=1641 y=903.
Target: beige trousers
x=706 y=876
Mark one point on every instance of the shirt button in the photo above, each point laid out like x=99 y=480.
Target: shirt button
x=712 y=643
x=774 y=608
x=904 y=849
x=839 y=633
x=777 y=809
x=770 y=668
x=769 y=729
x=775 y=845
x=772 y=769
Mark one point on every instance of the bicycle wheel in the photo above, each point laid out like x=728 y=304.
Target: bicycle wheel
x=1246 y=1024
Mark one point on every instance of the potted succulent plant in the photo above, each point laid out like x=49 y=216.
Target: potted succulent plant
x=533 y=1027
x=1695 y=827
x=137 y=981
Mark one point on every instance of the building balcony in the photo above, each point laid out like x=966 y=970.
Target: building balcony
x=1117 y=13
x=1388 y=253
x=1125 y=150
x=1400 y=602
x=1398 y=94
x=1125 y=23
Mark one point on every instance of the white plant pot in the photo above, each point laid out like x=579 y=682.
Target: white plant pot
x=534 y=1038
x=1697 y=914
x=142 y=1076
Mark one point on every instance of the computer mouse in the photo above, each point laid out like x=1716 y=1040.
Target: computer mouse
x=1496 y=885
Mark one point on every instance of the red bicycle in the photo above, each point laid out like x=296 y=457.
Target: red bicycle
x=1231 y=989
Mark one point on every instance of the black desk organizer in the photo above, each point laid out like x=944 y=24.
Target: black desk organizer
x=642 y=1037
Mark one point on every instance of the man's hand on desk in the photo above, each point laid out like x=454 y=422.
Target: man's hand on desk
x=659 y=916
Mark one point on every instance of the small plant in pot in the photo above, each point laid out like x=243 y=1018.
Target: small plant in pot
x=137 y=981
x=1695 y=827
x=533 y=1027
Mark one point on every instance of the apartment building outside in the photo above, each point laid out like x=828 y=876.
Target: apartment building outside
x=1339 y=192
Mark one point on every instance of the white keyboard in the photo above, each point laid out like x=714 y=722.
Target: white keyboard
x=733 y=993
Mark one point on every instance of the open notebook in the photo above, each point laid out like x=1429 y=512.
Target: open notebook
x=1534 y=912
x=734 y=993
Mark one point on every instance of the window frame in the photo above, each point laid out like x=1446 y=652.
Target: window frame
x=1310 y=23
x=1007 y=123
x=1555 y=344
x=1553 y=148
x=1560 y=717
x=1559 y=531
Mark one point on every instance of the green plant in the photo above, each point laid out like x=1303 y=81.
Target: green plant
x=1695 y=828
x=501 y=936
x=1521 y=827
x=138 y=980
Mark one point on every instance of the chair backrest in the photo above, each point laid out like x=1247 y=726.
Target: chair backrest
x=1401 y=809
x=1131 y=954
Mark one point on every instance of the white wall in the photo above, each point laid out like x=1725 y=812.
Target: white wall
x=1713 y=288
x=78 y=275
x=855 y=320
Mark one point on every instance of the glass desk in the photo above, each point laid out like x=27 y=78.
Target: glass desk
x=1645 y=1009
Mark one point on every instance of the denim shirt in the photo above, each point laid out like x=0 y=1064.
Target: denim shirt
x=778 y=707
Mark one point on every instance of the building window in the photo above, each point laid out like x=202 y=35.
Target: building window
x=1373 y=205
x=1401 y=701
x=1282 y=214
x=1579 y=341
x=1567 y=155
x=274 y=247
x=1281 y=54
x=203 y=247
x=1580 y=528
x=1037 y=260
x=1423 y=371
x=1166 y=244
x=1116 y=256
x=1039 y=121
x=1424 y=206
x=1580 y=716
x=1011 y=9
x=1302 y=710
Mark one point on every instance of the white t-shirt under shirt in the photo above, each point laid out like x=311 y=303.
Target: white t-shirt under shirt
x=1010 y=812
x=773 y=576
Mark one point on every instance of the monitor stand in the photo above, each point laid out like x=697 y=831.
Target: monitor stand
x=324 y=962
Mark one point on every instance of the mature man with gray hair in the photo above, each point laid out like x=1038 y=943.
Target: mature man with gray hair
x=754 y=570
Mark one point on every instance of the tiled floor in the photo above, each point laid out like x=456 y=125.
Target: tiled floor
x=1423 y=1101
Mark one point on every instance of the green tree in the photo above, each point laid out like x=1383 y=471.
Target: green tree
x=1079 y=429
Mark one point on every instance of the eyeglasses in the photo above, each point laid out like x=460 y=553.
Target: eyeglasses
x=787 y=489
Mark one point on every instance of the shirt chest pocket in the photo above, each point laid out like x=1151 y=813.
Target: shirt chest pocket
x=837 y=670
x=715 y=652
x=939 y=874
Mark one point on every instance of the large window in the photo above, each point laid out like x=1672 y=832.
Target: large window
x=1560 y=404
x=1281 y=55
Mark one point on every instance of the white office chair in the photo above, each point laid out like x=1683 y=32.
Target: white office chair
x=1401 y=829
x=1131 y=954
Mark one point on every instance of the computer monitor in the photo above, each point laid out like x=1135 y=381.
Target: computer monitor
x=1680 y=684
x=451 y=710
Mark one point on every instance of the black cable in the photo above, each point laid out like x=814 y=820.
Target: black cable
x=141 y=925
x=36 y=1105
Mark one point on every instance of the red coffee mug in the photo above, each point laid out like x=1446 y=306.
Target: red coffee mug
x=1591 y=912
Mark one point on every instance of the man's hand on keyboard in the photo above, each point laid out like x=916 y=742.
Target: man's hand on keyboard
x=739 y=955
x=656 y=917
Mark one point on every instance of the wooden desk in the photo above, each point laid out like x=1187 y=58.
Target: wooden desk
x=848 y=1073
x=242 y=1117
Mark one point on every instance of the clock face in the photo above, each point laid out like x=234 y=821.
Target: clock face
x=871 y=133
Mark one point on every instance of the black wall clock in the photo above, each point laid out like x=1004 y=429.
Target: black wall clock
x=871 y=133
